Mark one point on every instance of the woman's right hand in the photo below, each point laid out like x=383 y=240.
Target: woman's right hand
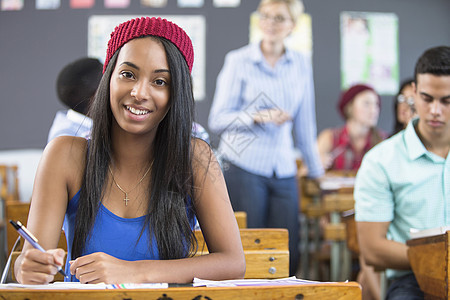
x=36 y=267
x=271 y=115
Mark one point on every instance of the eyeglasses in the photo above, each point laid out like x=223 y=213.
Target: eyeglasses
x=408 y=100
x=278 y=19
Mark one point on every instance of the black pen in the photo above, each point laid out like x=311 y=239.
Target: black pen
x=31 y=239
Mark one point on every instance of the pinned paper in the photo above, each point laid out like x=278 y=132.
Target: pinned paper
x=82 y=3
x=12 y=4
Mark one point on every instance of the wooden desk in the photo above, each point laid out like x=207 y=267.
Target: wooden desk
x=333 y=196
x=335 y=291
x=429 y=258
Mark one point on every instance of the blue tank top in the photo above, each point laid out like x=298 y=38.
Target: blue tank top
x=111 y=234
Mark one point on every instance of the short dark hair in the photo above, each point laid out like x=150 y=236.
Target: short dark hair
x=77 y=82
x=434 y=61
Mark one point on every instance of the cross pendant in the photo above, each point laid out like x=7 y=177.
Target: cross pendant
x=126 y=199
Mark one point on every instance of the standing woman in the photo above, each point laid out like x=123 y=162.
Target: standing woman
x=128 y=197
x=264 y=93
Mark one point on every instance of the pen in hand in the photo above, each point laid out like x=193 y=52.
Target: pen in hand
x=31 y=239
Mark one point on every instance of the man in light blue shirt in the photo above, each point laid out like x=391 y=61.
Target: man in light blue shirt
x=404 y=182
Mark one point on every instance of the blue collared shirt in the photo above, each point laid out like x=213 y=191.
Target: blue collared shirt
x=70 y=122
x=246 y=84
x=401 y=182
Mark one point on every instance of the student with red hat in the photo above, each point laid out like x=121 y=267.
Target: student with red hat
x=129 y=197
x=343 y=148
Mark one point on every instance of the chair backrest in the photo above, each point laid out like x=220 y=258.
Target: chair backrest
x=9 y=182
x=241 y=218
x=18 y=211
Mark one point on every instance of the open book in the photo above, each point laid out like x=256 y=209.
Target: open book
x=419 y=233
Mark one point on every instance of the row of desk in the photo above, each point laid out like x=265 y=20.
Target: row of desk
x=335 y=291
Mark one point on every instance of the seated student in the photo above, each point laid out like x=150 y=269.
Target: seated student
x=403 y=182
x=403 y=106
x=343 y=148
x=76 y=85
x=128 y=197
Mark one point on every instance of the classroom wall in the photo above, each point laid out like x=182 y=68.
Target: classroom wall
x=35 y=45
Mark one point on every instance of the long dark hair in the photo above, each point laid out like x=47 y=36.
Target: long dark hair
x=171 y=194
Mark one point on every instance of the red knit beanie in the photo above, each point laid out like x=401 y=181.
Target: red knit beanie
x=350 y=94
x=153 y=27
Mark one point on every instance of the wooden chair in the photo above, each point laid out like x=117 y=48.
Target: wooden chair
x=10 y=182
x=335 y=203
x=18 y=211
x=311 y=210
x=327 y=199
x=266 y=251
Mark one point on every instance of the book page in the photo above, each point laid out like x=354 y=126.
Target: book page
x=420 y=233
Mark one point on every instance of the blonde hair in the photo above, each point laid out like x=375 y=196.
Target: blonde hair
x=295 y=7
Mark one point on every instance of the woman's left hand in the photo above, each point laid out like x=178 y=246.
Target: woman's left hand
x=100 y=267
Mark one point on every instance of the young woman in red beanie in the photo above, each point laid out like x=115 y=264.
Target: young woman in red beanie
x=343 y=148
x=129 y=197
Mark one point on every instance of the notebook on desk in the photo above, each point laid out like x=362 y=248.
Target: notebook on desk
x=420 y=233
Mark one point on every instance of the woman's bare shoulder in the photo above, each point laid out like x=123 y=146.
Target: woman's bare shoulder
x=204 y=160
x=67 y=154
x=62 y=165
x=67 y=148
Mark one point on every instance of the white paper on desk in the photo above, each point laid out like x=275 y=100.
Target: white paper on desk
x=59 y=285
x=253 y=282
x=335 y=183
x=154 y=285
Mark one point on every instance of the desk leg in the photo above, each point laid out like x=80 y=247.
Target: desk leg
x=316 y=248
x=347 y=263
x=383 y=284
x=335 y=251
x=304 y=242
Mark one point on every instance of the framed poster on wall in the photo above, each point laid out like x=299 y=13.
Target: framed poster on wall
x=369 y=50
